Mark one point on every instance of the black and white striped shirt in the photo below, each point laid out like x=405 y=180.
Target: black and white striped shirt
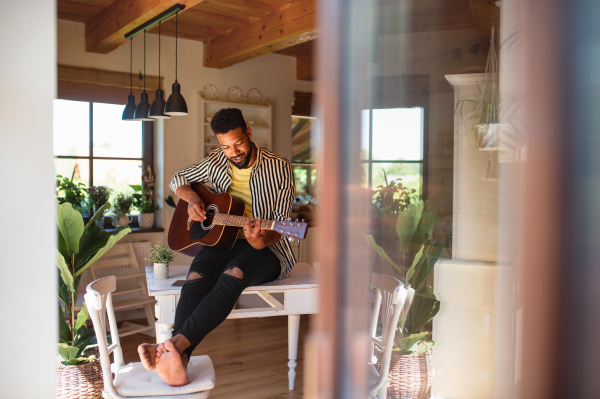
x=271 y=185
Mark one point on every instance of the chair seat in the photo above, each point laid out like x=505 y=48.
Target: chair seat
x=134 y=380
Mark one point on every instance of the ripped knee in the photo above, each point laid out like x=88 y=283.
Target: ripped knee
x=194 y=276
x=234 y=271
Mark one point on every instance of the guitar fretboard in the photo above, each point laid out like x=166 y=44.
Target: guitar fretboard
x=238 y=221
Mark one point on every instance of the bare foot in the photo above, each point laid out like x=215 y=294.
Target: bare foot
x=147 y=354
x=172 y=366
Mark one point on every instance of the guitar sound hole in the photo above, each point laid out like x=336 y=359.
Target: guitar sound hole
x=210 y=215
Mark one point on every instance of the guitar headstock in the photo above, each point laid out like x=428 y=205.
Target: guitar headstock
x=291 y=229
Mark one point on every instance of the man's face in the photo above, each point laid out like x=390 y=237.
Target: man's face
x=237 y=146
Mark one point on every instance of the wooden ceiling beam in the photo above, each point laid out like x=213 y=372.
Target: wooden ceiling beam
x=290 y=26
x=75 y=12
x=106 y=31
x=482 y=16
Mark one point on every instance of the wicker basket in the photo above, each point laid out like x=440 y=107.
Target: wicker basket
x=411 y=376
x=79 y=382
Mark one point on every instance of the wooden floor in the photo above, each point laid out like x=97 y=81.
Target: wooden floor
x=250 y=357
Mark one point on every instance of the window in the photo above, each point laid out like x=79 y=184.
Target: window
x=92 y=145
x=304 y=139
x=393 y=147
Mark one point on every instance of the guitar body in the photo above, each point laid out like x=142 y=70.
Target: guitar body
x=201 y=234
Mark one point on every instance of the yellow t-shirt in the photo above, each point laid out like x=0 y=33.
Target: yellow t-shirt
x=240 y=188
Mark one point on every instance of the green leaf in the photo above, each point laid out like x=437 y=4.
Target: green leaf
x=64 y=331
x=414 y=264
x=382 y=216
x=65 y=351
x=84 y=338
x=136 y=187
x=91 y=242
x=422 y=271
x=424 y=308
x=70 y=225
x=404 y=224
x=169 y=200
x=371 y=241
x=65 y=272
x=82 y=316
x=112 y=240
x=98 y=213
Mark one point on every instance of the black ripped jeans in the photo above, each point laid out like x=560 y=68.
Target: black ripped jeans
x=207 y=301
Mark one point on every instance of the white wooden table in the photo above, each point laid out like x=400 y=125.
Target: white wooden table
x=299 y=297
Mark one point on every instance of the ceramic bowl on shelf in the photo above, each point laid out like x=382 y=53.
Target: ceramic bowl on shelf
x=210 y=92
x=253 y=96
x=250 y=123
x=234 y=94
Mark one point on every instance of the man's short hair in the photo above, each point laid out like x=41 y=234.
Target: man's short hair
x=228 y=119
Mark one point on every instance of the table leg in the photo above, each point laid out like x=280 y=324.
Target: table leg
x=293 y=332
x=165 y=315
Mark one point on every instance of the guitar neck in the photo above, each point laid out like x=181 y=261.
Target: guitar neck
x=238 y=221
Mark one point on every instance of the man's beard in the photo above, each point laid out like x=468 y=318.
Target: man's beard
x=244 y=163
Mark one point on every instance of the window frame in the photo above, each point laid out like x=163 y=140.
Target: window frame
x=309 y=166
x=424 y=160
x=147 y=146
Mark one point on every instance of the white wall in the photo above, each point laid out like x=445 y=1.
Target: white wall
x=29 y=334
x=274 y=75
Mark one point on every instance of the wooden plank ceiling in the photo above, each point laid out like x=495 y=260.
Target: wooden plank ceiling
x=237 y=30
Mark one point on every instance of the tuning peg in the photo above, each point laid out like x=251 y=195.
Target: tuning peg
x=302 y=220
x=291 y=239
x=289 y=219
x=296 y=220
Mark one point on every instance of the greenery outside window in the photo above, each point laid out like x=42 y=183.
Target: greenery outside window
x=92 y=145
x=393 y=147
x=305 y=130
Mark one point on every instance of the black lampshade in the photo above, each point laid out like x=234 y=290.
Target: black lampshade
x=176 y=105
x=157 y=110
x=143 y=108
x=129 y=111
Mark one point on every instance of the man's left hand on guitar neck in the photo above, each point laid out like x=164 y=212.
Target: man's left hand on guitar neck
x=257 y=237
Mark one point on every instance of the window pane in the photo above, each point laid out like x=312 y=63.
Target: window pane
x=114 y=137
x=78 y=169
x=410 y=174
x=71 y=128
x=398 y=134
x=364 y=134
x=304 y=139
x=117 y=175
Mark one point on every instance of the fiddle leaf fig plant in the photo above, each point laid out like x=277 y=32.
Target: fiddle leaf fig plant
x=79 y=246
x=405 y=243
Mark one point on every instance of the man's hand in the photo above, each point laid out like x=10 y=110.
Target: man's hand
x=196 y=210
x=257 y=237
x=196 y=206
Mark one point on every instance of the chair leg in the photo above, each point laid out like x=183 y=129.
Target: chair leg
x=382 y=393
x=293 y=332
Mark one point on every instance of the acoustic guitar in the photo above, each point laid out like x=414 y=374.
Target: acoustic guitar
x=224 y=218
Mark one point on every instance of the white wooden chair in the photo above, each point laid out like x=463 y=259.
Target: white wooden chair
x=132 y=380
x=121 y=258
x=391 y=300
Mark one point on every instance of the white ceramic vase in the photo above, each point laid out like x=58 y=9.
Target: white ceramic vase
x=146 y=220
x=124 y=220
x=161 y=271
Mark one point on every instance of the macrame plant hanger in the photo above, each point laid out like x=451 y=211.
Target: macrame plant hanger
x=488 y=129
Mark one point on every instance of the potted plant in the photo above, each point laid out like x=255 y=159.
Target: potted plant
x=404 y=242
x=144 y=202
x=122 y=206
x=99 y=196
x=78 y=247
x=161 y=256
x=68 y=191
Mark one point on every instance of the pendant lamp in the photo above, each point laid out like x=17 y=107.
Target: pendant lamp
x=176 y=105
x=129 y=110
x=158 y=105
x=141 y=112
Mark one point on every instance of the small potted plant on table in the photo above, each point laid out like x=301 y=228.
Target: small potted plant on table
x=79 y=373
x=161 y=256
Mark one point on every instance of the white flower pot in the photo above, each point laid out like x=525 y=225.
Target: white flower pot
x=161 y=271
x=146 y=220
x=487 y=137
x=124 y=220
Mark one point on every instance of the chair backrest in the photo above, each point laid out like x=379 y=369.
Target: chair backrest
x=98 y=298
x=389 y=304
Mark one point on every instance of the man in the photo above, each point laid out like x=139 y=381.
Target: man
x=217 y=277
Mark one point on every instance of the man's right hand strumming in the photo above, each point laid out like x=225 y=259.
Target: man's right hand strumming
x=196 y=206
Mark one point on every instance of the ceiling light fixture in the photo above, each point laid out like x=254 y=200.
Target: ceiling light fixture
x=176 y=105
x=158 y=105
x=129 y=111
x=141 y=112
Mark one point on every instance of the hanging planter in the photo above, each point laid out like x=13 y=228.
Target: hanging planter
x=485 y=111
